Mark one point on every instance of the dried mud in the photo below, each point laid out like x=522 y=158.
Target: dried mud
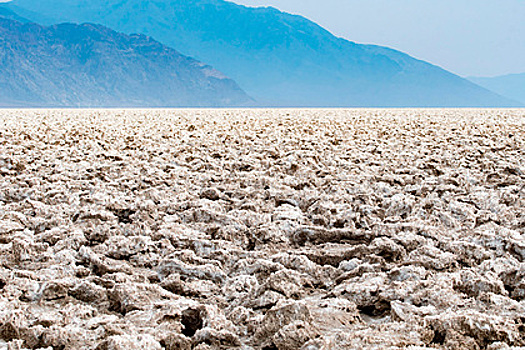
x=262 y=229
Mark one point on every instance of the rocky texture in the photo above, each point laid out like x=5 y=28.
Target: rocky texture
x=288 y=229
x=88 y=65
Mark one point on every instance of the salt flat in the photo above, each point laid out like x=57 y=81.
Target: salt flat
x=262 y=229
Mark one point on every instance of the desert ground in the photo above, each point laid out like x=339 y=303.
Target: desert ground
x=262 y=229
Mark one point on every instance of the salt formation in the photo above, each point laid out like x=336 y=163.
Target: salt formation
x=262 y=229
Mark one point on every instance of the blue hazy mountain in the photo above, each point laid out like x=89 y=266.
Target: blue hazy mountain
x=511 y=86
x=9 y=14
x=69 y=65
x=277 y=58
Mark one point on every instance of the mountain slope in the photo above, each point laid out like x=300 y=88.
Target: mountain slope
x=9 y=14
x=278 y=58
x=511 y=86
x=90 y=65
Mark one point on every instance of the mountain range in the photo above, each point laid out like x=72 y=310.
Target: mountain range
x=279 y=59
x=510 y=85
x=88 y=65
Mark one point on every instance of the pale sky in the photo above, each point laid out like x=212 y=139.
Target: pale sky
x=467 y=37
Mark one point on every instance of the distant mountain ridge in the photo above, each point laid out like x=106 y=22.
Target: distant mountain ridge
x=9 y=14
x=88 y=65
x=278 y=58
x=511 y=85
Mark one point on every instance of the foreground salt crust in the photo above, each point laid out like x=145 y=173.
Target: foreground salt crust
x=262 y=229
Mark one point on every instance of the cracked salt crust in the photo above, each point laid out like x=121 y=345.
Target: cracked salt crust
x=262 y=229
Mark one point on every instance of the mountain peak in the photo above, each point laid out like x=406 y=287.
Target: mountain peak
x=91 y=65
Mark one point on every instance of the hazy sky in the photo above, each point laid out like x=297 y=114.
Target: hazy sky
x=468 y=37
